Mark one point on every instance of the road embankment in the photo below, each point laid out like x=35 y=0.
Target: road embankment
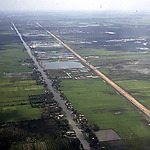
x=114 y=85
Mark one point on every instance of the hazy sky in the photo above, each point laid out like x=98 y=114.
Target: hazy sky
x=132 y=5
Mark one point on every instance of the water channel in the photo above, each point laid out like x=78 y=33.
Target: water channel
x=56 y=95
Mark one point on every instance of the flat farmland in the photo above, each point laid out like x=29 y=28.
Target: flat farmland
x=15 y=79
x=123 y=57
x=90 y=97
x=140 y=89
x=12 y=60
x=14 y=103
x=19 y=113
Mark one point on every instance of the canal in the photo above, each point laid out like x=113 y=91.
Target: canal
x=56 y=95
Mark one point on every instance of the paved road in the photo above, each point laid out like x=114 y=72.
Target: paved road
x=56 y=95
x=115 y=86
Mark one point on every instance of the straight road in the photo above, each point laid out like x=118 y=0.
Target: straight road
x=56 y=95
x=114 y=85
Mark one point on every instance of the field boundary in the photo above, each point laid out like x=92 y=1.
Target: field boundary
x=114 y=85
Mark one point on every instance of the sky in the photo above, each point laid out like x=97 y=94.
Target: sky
x=100 y=5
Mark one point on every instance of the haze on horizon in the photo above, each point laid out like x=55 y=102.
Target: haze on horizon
x=97 y=5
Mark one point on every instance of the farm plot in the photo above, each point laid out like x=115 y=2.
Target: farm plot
x=14 y=104
x=90 y=97
x=140 y=89
x=13 y=61
x=15 y=82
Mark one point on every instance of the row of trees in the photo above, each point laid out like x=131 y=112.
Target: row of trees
x=51 y=128
x=88 y=129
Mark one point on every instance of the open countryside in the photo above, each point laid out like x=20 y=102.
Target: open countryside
x=107 y=92
x=121 y=91
x=29 y=114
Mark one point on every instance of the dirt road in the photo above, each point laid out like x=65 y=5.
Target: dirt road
x=114 y=85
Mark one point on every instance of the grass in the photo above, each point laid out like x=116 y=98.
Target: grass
x=20 y=91
x=99 y=102
x=12 y=53
x=134 y=84
x=15 y=82
x=19 y=113
x=14 y=104
x=101 y=52
x=104 y=54
x=128 y=56
x=140 y=89
x=9 y=62
x=59 y=73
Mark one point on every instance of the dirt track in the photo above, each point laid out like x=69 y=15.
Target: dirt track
x=115 y=86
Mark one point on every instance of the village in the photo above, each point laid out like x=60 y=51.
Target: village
x=50 y=57
x=50 y=109
x=59 y=64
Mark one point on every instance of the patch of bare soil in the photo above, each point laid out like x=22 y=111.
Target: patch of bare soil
x=107 y=135
x=140 y=65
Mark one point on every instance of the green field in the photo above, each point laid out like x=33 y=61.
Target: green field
x=12 y=53
x=140 y=90
x=22 y=124
x=101 y=52
x=101 y=105
x=9 y=60
x=15 y=82
x=19 y=113
x=14 y=103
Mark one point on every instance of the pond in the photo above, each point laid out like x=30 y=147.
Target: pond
x=62 y=65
